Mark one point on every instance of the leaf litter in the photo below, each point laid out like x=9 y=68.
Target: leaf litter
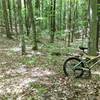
x=16 y=79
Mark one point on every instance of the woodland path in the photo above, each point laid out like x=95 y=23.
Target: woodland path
x=21 y=82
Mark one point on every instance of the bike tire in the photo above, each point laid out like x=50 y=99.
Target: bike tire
x=65 y=68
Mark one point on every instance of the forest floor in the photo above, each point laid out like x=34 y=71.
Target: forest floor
x=39 y=76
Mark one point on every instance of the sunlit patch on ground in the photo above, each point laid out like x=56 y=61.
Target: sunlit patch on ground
x=38 y=72
x=16 y=80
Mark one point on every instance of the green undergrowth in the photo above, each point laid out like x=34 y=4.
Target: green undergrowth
x=39 y=91
x=29 y=61
x=58 y=49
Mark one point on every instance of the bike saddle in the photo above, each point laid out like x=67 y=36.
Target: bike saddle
x=83 y=48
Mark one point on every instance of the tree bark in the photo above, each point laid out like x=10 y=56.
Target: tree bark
x=93 y=28
x=6 y=22
x=30 y=9
x=21 y=27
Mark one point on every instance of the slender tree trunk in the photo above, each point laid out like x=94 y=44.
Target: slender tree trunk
x=27 y=18
x=60 y=19
x=21 y=30
x=64 y=16
x=10 y=15
x=69 y=24
x=1 y=19
x=73 y=23
x=30 y=9
x=15 y=16
x=53 y=27
x=5 y=14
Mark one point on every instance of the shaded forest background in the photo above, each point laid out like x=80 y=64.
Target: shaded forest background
x=53 y=20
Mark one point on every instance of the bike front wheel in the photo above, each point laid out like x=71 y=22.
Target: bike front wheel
x=73 y=67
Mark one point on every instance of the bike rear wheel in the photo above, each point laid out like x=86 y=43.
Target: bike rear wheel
x=73 y=67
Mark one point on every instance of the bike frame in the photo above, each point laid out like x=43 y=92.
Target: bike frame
x=94 y=59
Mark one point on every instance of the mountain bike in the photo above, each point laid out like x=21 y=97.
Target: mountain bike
x=77 y=66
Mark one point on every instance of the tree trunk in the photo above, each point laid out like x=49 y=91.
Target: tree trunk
x=10 y=15
x=53 y=27
x=69 y=24
x=15 y=16
x=21 y=26
x=30 y=9
x=6 y=22
x=93 y=28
